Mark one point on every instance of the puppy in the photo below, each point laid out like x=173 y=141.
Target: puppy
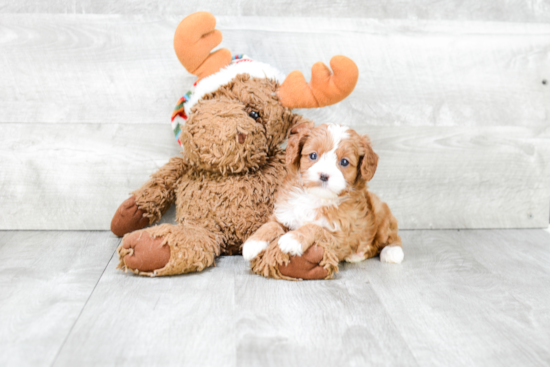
x=324 y=200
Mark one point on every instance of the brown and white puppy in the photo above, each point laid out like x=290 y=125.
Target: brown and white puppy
x=324 y=199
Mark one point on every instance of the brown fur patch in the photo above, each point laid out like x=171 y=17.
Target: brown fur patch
x=157 y=194
x=233 y=206
x=212 y=136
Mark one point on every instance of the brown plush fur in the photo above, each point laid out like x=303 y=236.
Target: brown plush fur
x=359 y=225
x=224 y=184
x=158 y=194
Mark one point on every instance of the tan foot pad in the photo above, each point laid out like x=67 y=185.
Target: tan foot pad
x=128 y=218
x=139 y=251
x=306 y=266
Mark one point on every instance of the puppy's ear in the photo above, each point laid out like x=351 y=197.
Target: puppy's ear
x=368 y=159
x=298 y=136
x=300 y=123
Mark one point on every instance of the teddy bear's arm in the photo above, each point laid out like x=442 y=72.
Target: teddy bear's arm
x=148 y=203
x=157 y=195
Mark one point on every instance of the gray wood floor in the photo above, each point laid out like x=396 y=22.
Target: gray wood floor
x=461 y=298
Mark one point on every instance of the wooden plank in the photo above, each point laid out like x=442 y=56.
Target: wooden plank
x=440 y=178
x=509 y=11
x=441 y=306
x=174 y=321
x=337 y=322
x=517 y=257
x=75 y=176
x=453 y=311
x=45 y=280
x=227 y=316
x=122 y=69
x=110 y=69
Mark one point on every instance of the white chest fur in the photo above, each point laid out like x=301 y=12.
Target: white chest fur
x=302 y=208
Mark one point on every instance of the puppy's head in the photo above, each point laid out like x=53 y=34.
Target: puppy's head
x=330 y=159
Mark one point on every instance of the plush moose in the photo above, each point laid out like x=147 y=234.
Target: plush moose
x=224 y=184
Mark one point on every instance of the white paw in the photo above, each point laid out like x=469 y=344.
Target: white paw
x=289 y=245
x=392 y=254
x=251 y=248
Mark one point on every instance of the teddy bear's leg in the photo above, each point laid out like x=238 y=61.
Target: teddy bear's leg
x=169 y=249
x=147 y=204
x=317 y=262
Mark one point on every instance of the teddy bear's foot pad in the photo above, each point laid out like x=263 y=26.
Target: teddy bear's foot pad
x=128 y=218
x=140 y=252
x=306 y=266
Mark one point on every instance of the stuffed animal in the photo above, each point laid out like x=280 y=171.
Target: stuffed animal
x=230 y=129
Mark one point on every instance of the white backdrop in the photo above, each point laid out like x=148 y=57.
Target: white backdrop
x=451 y=93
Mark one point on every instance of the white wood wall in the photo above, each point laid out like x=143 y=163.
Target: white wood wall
x=486 y=10
x=451 y=93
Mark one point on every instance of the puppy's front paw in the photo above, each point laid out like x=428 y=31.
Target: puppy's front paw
x=289 y=245
x=252 y=248
x=392 y=254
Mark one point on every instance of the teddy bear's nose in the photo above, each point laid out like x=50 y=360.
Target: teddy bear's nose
x=241 y=138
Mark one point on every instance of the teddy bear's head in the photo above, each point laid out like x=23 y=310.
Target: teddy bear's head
x=237 y=127
x=239 y=113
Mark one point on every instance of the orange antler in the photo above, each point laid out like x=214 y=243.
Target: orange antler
x=194 y=39
x=324 y=89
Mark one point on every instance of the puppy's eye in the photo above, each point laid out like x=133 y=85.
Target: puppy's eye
x=255 y=115
x=344 y=162
x=313 y=156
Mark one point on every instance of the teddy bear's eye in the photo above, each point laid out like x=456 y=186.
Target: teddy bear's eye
x=255 y=115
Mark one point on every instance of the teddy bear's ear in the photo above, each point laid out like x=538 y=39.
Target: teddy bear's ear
x=298 y=136
x=195 y=37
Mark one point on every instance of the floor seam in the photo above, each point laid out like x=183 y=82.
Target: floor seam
x=83 y=307
x=388 y=313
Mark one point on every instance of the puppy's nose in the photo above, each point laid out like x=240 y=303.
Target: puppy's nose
x=324 y=177
x=241 y=138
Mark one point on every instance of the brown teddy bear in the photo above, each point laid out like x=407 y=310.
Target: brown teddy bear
x=230 y=128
